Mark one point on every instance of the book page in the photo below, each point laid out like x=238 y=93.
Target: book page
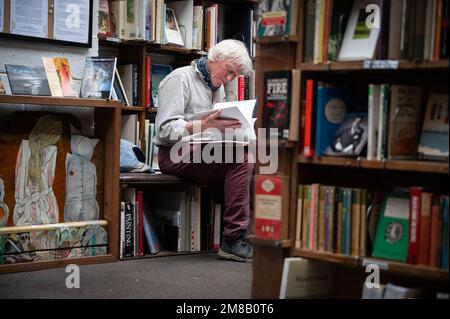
x=29 y=18
x=71 y=20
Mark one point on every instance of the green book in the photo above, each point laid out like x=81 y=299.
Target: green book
x=391 y=239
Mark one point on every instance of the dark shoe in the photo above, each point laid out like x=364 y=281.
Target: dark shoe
x=238 y=250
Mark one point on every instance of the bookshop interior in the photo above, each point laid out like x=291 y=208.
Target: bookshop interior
x=340 y=108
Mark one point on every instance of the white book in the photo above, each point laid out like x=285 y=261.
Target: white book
x=197 y=27
x=360 y=41
x=172 y=34
x=119 y=11
x=238 y=110
x=184 y=12
x=304 y=278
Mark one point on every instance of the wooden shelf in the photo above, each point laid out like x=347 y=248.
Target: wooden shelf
x=407 y=269
x=330 y=257
x=132 y=109
x=384 y=265
x=278 y=39
x=166 y=253
x=359 y=66
x=147 y=178
x=286 y=243
x=395 y=165
x=37 y=265
x=57 y=101
x=169 y=49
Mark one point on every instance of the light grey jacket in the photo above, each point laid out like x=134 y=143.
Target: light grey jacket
x=182 y=94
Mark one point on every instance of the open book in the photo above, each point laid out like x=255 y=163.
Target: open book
x=239 y=110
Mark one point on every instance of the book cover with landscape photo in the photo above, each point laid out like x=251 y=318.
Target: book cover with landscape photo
x=27 y=80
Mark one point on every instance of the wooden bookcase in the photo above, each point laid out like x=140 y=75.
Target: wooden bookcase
x=286 y=53
x=106 y=115
x=136 y=52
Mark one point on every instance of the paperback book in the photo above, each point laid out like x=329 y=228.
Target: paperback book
x=27 y=80
x=98 y=78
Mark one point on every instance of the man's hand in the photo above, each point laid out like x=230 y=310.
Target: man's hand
x=214 y=120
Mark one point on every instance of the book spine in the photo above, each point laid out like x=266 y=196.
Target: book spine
x=148 y=81
x=128 y=230
x=298 y=225
x=424 y=242
x=436 y=233
x=241 y=88
x=445 y=232
x=135 y=77
x=140 y=200
x=414 y=224
x=444 y=31
x=308 y=149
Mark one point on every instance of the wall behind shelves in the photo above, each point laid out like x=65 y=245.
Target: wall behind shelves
x=29 y=53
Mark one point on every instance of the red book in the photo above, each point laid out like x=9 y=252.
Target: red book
x=241 y=88
x=140 y=200
x=415 y=195
x=425 y=223
x=271 y=206
x=436 y=233
x=308 y=149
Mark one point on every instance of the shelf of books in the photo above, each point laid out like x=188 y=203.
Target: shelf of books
x=416 y=166
x=151 y=178
x=405 y=269
x=375 y=65
x=330 y=257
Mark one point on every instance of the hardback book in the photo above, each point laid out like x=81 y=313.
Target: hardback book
x=360 y=40
x=277 y=17
x=281 y=104
x=433 y=143
x=404 y=115
x=332 y=104
x=171 y=29
x=351 y=136
x=184 y=16
x=59 y=76
x=4 y=84
x=271 y=206
x=98 y=77
x=306 y=279
x=103 y=18
x=159 y=72
x=340 y=13
x=391 y=240
x=27 y=80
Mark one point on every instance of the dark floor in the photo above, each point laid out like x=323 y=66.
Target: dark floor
x=179 y=277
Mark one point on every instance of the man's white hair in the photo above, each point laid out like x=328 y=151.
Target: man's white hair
x=231 y=50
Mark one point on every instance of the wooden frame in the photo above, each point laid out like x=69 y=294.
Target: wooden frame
x=50 y=30
x=108 y=127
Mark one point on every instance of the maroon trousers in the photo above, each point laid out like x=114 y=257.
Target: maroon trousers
x=235 y=177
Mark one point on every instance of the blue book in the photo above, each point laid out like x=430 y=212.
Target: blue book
x=332 y=105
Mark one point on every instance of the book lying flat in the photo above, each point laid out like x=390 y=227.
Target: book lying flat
x=238 y=110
